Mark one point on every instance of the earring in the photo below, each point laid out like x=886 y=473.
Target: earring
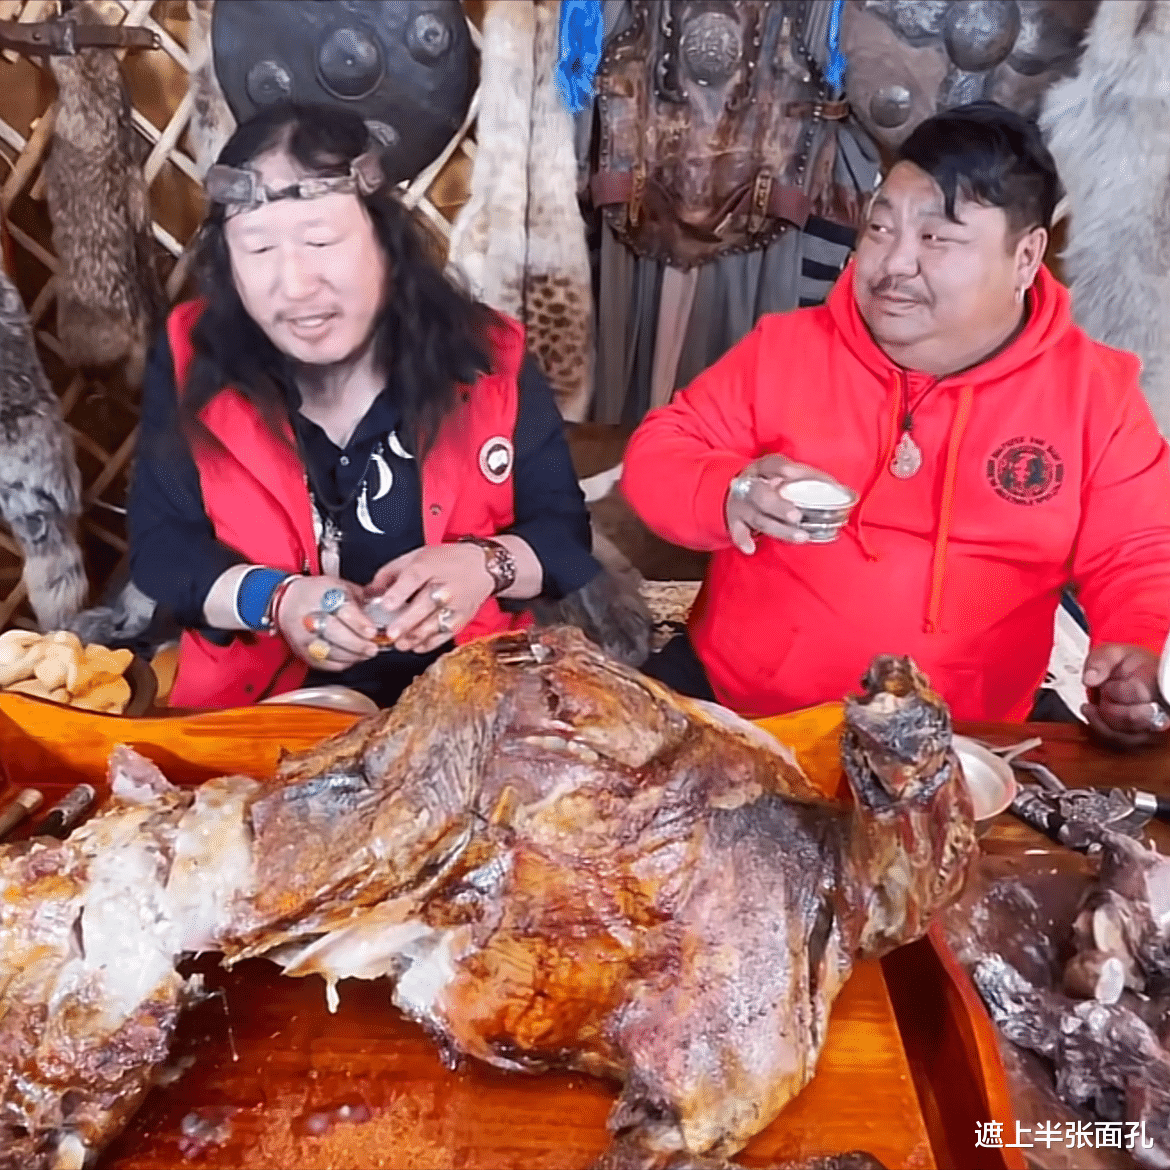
x=1020 y=296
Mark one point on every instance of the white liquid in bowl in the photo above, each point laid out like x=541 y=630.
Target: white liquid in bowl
x=816 y=493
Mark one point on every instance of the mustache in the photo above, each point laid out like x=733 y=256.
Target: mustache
x=889 y=286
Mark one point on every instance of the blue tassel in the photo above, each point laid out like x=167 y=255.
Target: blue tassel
x=581 y=33
x=835 y=66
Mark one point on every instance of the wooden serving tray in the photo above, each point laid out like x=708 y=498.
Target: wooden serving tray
x=272 y=1081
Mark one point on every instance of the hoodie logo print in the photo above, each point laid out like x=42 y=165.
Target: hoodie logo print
x=1025 y=470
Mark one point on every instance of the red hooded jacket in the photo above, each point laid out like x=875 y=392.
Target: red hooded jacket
x=1042 y=466
x=256 y=496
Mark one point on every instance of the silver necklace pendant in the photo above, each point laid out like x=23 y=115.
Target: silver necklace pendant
x=330 y=550
x=328 y=537
x=907 y=457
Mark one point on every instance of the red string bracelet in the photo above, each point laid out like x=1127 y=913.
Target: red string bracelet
x=278 y=597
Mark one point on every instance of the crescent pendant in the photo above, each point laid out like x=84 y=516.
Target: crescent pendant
x=363 y=515
x=396 y=447
x=385 y=476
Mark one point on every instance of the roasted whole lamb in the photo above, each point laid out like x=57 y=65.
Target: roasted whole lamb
x=559 y=863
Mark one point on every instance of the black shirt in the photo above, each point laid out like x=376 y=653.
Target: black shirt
x=175 y=557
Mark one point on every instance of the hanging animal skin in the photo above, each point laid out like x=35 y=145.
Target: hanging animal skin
x=211 y=122
x=109 y=300
x=40 y=486
x=558 y=291
x=406 y=67
x=908 y=59
x=1109 y=130
x=489 y=236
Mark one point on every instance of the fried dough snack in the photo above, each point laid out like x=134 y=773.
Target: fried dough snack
x=57 y=666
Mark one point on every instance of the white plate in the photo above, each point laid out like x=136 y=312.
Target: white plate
x=991 y=781
x=331 y=698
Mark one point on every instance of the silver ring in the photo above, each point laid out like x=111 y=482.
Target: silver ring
x=741 y=486
x=1159 y=720
x=446 y=619
x=319 y=621
x=332 y=600
x=439 y=595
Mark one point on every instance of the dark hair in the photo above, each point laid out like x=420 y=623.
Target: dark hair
x=989 y=154
x=430 y=335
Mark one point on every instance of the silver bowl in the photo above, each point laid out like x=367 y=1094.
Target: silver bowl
x=824 y=507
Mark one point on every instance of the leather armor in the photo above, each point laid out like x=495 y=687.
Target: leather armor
x=717 y=130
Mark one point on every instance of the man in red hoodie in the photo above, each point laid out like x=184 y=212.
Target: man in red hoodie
x=999 y=454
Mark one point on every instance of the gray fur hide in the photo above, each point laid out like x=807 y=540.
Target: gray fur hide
x=40 y=485
x=123 y=617
x=609 y=611
x=1109 y=131
x=211 y=122
x=109 y=300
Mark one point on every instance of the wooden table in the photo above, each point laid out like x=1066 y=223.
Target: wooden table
x=1080 y=762
x=298 y=1064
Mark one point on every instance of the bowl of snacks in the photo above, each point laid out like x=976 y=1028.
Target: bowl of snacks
x=59 y=667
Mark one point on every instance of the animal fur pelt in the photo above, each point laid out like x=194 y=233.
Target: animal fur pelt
x=123 y=618
x=558 y=290
x=109 y=300
x=609 y=611
x=212 y=121
x=40 y=485
x=1109 y=131
x=488 y=237
x=519 y=241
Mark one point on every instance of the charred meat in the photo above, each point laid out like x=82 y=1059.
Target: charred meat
x=559 y=863
x=1105 y=1057
x=575 y=868
x=89 y=995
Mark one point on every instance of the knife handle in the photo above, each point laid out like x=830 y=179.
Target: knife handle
x=1152 y=804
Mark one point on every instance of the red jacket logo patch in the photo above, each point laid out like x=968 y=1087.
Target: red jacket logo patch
x=1025 y=470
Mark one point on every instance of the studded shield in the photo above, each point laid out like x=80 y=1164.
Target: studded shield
x=405 y=67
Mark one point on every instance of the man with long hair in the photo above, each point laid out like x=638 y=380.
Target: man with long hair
x=334 y=423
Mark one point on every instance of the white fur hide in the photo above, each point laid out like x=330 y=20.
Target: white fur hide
x=211 y=122
x=488 y=237
x=519 y=241
x=1109 y=131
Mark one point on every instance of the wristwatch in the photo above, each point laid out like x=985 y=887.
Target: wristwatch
x=498 y=562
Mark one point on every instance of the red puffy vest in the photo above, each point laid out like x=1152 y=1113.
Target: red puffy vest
x=257 y=498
